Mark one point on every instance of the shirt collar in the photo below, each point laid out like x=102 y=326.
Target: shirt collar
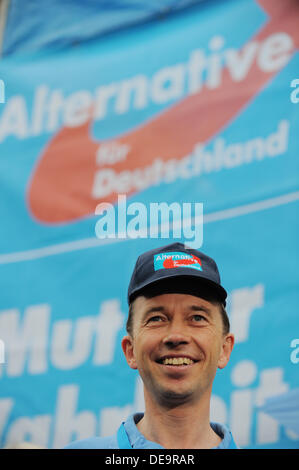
x=138 y=441
x=223 y=432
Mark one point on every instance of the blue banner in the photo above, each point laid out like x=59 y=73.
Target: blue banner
x=198 y=108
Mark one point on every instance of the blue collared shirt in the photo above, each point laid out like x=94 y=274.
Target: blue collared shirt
x=138 y=441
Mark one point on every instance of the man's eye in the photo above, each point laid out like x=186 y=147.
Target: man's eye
x=198 y=318
x=155 y=318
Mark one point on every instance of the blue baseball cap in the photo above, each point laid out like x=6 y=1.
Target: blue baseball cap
x=176 y=268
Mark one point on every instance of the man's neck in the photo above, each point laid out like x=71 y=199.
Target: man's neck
x=182 y=427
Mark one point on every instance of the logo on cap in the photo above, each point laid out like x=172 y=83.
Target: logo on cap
x=176 y=259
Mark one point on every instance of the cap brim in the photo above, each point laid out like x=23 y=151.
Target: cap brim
x=181 y=283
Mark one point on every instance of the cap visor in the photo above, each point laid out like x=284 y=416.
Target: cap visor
x=182 y=284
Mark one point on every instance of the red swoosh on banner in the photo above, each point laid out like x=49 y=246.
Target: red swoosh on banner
x=61 y=187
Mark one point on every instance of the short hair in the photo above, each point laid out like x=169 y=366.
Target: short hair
x=224 y=316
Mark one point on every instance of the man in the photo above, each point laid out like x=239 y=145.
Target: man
x=178 y=335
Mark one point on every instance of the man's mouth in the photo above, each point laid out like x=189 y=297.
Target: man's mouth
x=176 y=361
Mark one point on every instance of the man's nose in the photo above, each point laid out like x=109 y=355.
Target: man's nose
x=175 y=337
x=174 y=340
x=176 y=333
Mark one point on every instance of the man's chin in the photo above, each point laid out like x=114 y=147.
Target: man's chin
x=172 y=398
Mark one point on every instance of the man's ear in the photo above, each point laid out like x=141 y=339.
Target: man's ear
x=128 y=349
x=227 y=347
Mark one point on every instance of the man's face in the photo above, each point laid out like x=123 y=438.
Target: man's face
x=172 y=327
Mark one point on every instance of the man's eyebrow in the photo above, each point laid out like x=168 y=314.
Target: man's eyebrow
x=201 y=308
x=160 y=308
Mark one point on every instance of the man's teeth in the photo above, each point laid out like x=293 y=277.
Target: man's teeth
x=177 y=361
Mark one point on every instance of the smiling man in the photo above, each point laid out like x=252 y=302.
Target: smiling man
x=178 y=336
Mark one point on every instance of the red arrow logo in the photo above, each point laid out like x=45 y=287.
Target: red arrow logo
x=61 y=188
x=173 y=263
